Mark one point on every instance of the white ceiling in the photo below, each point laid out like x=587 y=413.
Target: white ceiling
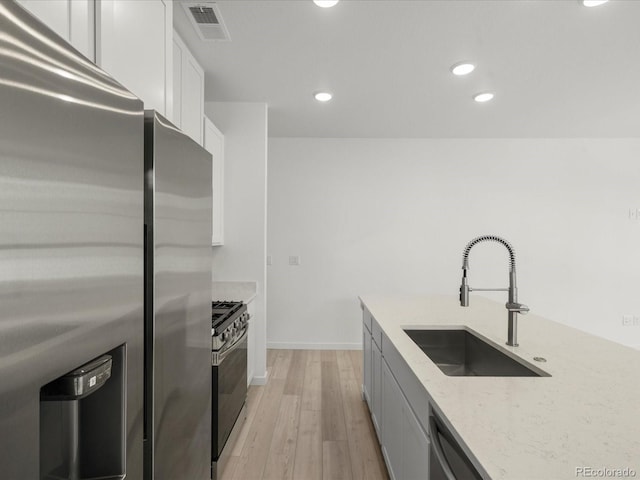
x=558 y=69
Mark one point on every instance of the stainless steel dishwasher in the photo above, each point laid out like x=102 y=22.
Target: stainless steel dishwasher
x=447 y=461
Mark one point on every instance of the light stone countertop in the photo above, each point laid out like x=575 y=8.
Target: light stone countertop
x=587 y=414
x=233 y=291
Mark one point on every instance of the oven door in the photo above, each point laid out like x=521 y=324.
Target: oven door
x=229 y=393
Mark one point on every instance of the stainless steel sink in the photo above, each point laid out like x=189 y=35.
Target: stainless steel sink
x=460 y=353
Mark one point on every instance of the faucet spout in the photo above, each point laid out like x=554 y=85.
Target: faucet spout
x=512 y=305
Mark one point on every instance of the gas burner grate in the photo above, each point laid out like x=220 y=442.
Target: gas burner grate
x=223 y=311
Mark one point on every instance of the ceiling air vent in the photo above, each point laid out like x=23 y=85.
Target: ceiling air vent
x=206 y=20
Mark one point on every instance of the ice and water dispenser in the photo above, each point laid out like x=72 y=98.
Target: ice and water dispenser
x=82 y=421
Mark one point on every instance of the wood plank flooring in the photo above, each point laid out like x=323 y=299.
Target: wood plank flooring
x=308 y=423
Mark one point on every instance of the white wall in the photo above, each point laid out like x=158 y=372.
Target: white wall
x=242 y=258
x=393 y=215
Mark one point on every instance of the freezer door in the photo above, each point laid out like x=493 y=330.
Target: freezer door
x=178 y=207
x=71 y=237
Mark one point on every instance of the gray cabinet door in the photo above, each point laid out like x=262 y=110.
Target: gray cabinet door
x=366 y=363
x=415 y=447
x=376 y=387
x=392 y=411
x=404 y=444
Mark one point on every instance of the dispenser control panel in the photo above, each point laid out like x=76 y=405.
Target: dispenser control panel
x=80 y=382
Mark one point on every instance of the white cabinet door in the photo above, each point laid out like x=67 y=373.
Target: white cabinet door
x=192 y=99
x=178 y=54
x=214 y=144
x=132 y=45
x=73 y=20
x=188 y=92
x=366 y=364
x=53 y=13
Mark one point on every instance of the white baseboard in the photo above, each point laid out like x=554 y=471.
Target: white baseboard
x=260 y=380
x=314 y=346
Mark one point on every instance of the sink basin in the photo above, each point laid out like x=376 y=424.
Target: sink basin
x=460 y=353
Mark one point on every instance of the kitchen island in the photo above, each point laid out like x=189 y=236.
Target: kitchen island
x=581 y=420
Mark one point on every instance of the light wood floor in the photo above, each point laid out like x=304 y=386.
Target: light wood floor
x=309 y=422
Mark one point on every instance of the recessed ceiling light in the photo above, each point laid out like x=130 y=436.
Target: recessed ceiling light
x=462 y=68
x=593 y=3
x=326 y=3
x=483 y=97
x=322 y=96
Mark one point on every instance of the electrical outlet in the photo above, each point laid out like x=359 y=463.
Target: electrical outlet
x=294 y=260
x=630 y=321
x=634 y=214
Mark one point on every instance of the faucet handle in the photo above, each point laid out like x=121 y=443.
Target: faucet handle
x=517 y=307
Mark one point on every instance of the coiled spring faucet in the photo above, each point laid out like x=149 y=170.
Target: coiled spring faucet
x=513 y=307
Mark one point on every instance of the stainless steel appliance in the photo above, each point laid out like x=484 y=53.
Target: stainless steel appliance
x=178 y=203
x=229 y=327
x=71 y=249
x=447 y=461
x=73 y=409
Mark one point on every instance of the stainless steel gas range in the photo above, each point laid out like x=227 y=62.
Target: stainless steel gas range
x=229 y=327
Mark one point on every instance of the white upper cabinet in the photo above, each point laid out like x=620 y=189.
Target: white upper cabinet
x=73 y=20
x=132 y=41
x=214 y=144
x=134 y=45
x=188 y=91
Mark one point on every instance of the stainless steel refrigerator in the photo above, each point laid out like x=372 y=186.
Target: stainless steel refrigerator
x=178 y=204
x=71 y=261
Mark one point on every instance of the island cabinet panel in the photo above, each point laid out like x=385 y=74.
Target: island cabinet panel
x=405 y=444
x=398 y=403
x=376 y=333
x=376 y=387
x=392 y=411
x=415 y=448
x=366 y=364
x=411 y=387
x=372 y=386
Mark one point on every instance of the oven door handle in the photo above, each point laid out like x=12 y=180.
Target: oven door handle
x=225 y=353
x=434 y=431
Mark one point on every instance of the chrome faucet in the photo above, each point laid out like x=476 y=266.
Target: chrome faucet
x=513 y=307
